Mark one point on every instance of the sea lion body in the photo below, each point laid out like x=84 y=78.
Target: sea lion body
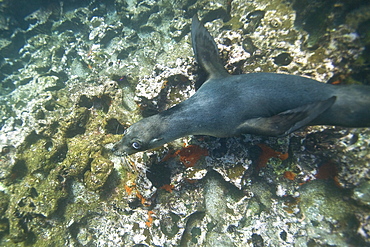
x=258 y=103
x=236 y=100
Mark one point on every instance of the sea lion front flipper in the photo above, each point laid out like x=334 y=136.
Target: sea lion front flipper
x=205 y=50
x=286 y=122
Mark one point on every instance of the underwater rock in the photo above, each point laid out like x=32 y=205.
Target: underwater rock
x=283 y=59
x=100 y=170
x=219 y=240
x=169 y=225
x=193 y=231
x=76 y=74
x=51 y=83
x=4 y=202
x=217 y=196
x=4 y=45
x=362 y=193
x=358 y=16
x=141 y=12
x=212 y=10
x=364 y=226
x=325 y=208
x=179 y=28
x=27 y=205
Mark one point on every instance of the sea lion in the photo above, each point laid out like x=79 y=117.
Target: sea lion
x=266 y=104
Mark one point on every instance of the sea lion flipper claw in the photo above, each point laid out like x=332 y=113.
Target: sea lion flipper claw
x=286 y=122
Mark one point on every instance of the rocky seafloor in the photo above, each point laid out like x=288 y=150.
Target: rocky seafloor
x=75 y=74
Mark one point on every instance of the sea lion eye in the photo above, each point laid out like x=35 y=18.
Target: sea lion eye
x=136 y=145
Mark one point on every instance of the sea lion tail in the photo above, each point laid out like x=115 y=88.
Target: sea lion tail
x=205 y=50
x=351 y=109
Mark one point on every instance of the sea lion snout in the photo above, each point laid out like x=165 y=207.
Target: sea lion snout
x=121 y=148
x=118 y=149
x=130 y=144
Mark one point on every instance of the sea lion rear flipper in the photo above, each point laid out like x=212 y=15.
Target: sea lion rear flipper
x=286 y=122
x=205 y=50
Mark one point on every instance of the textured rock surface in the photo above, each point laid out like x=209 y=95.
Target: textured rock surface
x=75 y=74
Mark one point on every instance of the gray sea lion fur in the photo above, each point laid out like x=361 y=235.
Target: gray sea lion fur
x=267 y=104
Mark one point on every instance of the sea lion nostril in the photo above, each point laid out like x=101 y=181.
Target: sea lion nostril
x=114 y=149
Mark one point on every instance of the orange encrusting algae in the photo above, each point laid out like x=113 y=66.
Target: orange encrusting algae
x=327 y=171
x=129 y=189
x=290 y=175
x=168 y=187
x=268 y=153
x=141 y=198
x=143 y=201
x=150 y=219
x=191 y=154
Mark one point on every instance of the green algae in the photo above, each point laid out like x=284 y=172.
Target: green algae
x=100 y=169
x=73 y=151
x=4 y=222
x=32 y=200
x=41 y=156
x=235 y=171
x=68 y=154
x=234 y=23
x=85 y=152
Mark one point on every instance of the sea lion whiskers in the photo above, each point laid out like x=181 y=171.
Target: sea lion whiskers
x=134 y=139
x=129 y=163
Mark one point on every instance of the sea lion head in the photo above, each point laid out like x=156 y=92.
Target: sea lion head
x=141 y=136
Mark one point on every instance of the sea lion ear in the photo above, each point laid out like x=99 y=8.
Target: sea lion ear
x=155 y=141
